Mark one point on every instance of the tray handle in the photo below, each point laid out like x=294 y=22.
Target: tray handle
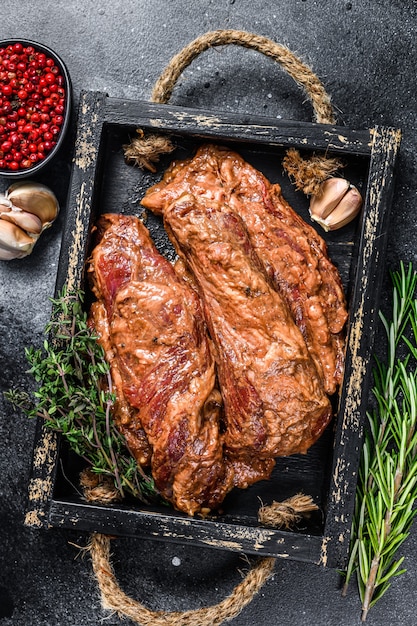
x=307 y=173
x=299 y=71
x=114 y=599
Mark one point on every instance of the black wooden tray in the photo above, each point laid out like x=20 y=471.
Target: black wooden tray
x=101 y=182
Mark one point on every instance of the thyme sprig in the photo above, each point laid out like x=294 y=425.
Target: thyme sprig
x=387 y=480
x=75 y=396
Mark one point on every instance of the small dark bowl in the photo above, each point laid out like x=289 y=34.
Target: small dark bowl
x=40 y=165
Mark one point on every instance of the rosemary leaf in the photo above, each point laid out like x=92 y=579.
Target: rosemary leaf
x=387 y=480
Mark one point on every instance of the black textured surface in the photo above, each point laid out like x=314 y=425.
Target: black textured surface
x=365 y=53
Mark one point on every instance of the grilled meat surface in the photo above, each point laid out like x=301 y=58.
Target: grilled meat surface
x=152 y=328
x=225 y=360
x=294 y=257
x=275 y=404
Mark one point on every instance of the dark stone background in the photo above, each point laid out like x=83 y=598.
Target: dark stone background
x=365 y=53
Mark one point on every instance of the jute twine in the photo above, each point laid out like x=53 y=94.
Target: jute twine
x=299 y=71
x=100 y=489
x=115 y=599
x=306 y=173
x=145 y=150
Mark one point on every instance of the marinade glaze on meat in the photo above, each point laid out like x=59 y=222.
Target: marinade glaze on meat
x=294 y=257
x=151 y=326
x=274 y=402
x=273 y=301
x=225 y=360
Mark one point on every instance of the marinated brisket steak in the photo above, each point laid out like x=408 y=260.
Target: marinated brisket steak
x=274 y=402
x=293 y=255
x=152 y=328
x=225 y=360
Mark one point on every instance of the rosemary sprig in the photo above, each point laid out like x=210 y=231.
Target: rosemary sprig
x=75 y=396
x=387 y=480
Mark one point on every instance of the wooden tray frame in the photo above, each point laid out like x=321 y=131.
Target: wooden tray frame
x=377 y=148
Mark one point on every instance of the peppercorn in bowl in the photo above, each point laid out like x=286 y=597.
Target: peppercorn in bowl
x=35 y=106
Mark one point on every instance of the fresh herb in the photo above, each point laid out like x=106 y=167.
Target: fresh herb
x=387 y=481
x=75 y=396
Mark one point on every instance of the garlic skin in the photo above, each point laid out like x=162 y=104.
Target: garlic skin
x=14 y=240
x=10 y=255
x=27 y=221
x=337 y=204
x=35 y=198
x=26 y=210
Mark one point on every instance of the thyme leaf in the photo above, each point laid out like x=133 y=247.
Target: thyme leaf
x=387 y=480
x=74 y=397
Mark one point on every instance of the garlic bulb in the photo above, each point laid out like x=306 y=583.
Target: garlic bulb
x=336 y=205
x=26 y=209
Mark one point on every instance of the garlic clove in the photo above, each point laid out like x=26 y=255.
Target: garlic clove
x=27 y=221
x=332 y=191
x=337 y=204
x=14 y=239
x=344 y=212
x=35 y=198
x=347 y=209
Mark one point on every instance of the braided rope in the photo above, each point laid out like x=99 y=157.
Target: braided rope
x=115 y=599
x=298 y=70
